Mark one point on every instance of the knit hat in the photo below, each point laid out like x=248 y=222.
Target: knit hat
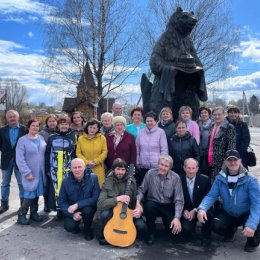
x=119 y=119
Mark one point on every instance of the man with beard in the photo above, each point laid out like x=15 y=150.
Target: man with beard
x=113 y=191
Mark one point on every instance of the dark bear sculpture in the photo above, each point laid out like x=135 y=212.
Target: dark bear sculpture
x=179 y=76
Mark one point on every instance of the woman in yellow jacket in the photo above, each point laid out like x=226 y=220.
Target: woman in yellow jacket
x=92 y=148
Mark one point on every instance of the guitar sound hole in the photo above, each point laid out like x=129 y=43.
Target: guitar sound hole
x=120 y=231
x=123 y=215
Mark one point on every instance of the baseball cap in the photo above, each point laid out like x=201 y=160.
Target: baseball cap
x=232 y=154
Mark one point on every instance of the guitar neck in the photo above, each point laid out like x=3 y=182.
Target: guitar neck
x=127 y=189
x=130 y=174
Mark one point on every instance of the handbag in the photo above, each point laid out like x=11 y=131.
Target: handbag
x=251 y=156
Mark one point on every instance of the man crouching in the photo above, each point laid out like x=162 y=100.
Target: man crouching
x=240 y=194
x=78 y=198
x=162 y=196
x=113 y=191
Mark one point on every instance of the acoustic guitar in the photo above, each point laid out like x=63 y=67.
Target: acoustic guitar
x=120 y=229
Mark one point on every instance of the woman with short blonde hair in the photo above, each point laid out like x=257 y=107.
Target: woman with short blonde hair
x=185 y=114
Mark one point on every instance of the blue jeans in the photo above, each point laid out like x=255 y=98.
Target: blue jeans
x=6 y=180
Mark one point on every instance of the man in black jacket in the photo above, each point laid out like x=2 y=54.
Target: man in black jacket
x=9 y=134
x=78 y=198
x=195 y=187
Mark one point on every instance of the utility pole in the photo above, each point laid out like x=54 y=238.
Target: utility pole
x=245 y=103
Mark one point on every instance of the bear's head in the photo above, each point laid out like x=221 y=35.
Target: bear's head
x=182 y=21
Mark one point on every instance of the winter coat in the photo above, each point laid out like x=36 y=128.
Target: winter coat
x=106 y=131
x=46 y=133
x=245 y=196
x=77 y=131
x=169 y=128
x=30 y=161
x=84 y=193
x=242 y=140
x=181 y=148
x=150 y=145
x=194 y=131
x=132 y=129
x=203 y=146
x=93 y=149
x=126 y=149
x=223 y=141
x=60 y=151
x=112 y=188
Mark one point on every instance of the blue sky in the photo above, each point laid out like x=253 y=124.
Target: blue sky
x=21 y=52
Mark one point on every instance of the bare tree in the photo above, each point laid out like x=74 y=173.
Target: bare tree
x=16 y=94
x=97 y=35
x=214 y=36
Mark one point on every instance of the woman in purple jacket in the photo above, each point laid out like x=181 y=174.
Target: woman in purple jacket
x=30 y=151
x=151 y=142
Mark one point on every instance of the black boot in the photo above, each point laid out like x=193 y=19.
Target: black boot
x=150 y=238
x=22 y=220
x=4 y=206
x=88 y=234
x=33 y=211
x=150 y=233
x=23 y=211
x=59 y=215
x=46 y=206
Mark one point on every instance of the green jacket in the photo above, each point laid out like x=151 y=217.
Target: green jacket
x=113 y=188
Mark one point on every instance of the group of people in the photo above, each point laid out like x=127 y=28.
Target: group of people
x=186 y=171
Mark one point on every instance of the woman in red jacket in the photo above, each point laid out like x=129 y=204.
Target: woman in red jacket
x=120 y=144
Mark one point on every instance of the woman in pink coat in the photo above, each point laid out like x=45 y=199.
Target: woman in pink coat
x=151 y=142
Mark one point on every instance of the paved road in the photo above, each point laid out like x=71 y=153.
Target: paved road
x=49 y=241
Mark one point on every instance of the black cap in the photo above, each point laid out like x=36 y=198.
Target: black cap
x=232 y=154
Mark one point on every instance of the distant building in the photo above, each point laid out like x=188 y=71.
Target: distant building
x=86 y=98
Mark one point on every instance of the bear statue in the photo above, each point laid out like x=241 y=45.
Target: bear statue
x=178 y=73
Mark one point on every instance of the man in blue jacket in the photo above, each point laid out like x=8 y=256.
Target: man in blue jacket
x=78 y=198
x=240 y=194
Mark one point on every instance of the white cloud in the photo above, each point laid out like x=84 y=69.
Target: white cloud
x=251 y=49
x=19 y=19
x=12 y=10
x=30 y=34
x=236 y=49
x=64 y=21
x=15 y=19
x=27 y=69
x=233 y=67
x=6 y=46
x=19 y=6
x=231 y=88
